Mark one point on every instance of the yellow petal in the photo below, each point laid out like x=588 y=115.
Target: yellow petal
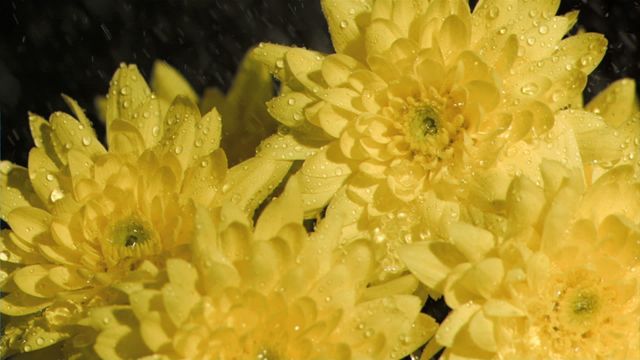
x=484 y=277
x=29 y=222
x=19 y=303
x=455 y=322
x=501 y=308
x=453 y=36
x=42 y=136
x=203 y=182
x=245 y=120
x=34 y=280
x=289 y=108
x=482 y=332
x=430 y=262
x=180 y=294
x=337 y=68
x=616 y=103
x=599 y=143
x=168 y=83
x=16 y=189
x=380 y=35
x=248 y=183
x=124 y=137
x=406 y=284
x=345 y=33
x=79 y=113
x=525 y=202
x=304 y=66
x=127 y=91
x=208 y=132
x=179 y=129
x=471 y=241
x=284 y=210
x=321 y=176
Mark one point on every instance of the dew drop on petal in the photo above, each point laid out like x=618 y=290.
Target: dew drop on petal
x=494 y=12
x=56 y=195
x=529 y=89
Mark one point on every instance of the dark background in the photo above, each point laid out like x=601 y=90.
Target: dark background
x=73 y=47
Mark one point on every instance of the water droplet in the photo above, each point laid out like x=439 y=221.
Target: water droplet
x=124 y=90
x=39 y=341
x=543 y=29
x=343 y=24
x=86 y=140
x=155 y=131
x=291 y=101
x=56 y=195
x=280 y=64
x=50 y=177
x=494 y=12
x=529 y=89
x=586 y=60
x=4 y=255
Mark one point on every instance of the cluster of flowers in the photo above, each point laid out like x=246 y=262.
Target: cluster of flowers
x=440 y=152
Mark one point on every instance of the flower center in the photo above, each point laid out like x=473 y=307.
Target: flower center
x=580 y=308
x=424 y=121
x=585 y=304
x=430 y=127
x=129 y=233
x=129 y=239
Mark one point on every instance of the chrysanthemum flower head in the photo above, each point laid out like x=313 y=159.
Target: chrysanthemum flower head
x=428 y=96
x=268 y=293
x=82 y=216
x=561 y=284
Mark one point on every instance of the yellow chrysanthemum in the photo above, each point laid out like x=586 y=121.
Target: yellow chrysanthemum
x=562 y=284
x=245 y=121
x=82 y=216
x=428 y=96
x=268 y=293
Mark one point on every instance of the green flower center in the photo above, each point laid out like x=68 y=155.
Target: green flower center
x=129 y=233
x=424 y=121
x=430 y=127
x=585 y=304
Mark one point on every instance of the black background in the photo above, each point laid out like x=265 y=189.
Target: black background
x=73 y=47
